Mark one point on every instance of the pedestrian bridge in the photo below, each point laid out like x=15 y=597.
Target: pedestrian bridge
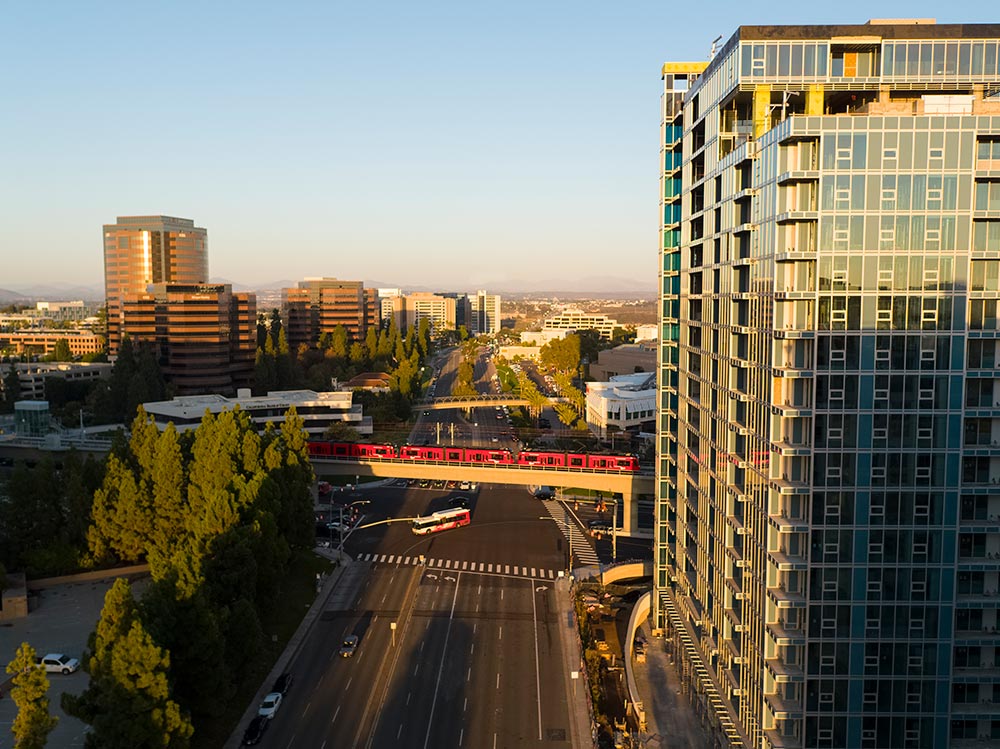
x=483 y=401
x=629 y=485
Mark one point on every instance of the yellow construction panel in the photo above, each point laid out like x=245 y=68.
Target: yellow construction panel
x=673 y=68
x=761 y=109
x=814 y=99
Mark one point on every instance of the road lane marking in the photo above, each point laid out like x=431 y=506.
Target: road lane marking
x=479 y=591
x=501 y=594
x=306 y=710
x=473 y=649
x=437 y=685
x=538 y=677
x=407 y=561
x=468 y=674
x=501 y=633
x=447 y=564
x=335 y=714
x=461 y=735
x=465 y=566
x=465 y=705
x=348 y=684
x=506 y=569
x=498 y=679
x=421 y=646
x=490 y=568
x=375 y=618
x=532 y=572
x=399 y=731
x=408 y=695
x=551 y=576
x=494 y=741
x=415 y=669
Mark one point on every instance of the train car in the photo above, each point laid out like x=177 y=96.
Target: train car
x=541 y=459
x=487 y=455
x=373 y=451
x=613 y=462
x=319 y=449
x=421 y=452
x=454 y=454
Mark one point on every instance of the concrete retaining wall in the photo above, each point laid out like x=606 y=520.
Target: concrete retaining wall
x=88 y=577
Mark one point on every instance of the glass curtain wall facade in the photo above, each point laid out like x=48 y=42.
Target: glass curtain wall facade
x=143 y=250
x=828 y=545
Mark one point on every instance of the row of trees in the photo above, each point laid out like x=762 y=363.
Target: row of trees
x=46 y=515
x=217 y=514
x=338 y=357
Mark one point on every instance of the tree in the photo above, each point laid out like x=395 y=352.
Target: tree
x=33 y=723
x=61 y=351
x=11 y=389
x=341 y=431
x=562 y=354
x=128 y=701
x=339 y=342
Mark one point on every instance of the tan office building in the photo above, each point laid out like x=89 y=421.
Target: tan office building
x=143 y=250
x=318 y=305
x=205 y=335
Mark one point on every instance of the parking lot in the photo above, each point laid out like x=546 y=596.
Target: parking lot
x=61 y=622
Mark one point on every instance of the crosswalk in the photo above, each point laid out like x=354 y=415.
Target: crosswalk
x=583 y=549
x=460 y=565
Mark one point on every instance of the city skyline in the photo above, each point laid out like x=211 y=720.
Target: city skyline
x=455 y=145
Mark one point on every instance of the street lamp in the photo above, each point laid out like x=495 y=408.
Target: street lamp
x=569 y=535
x=340 y=546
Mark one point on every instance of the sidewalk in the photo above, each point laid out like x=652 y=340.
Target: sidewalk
x=581 y=720
x=670 y=720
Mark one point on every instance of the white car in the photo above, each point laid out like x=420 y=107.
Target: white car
x=270 y=705
x=57 y=663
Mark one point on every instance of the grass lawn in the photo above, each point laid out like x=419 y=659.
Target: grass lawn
x=279 y=622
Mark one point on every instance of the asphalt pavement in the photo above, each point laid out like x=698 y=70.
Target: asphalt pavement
x=456 y=655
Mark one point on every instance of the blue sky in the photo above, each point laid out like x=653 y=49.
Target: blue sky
x=443 y=144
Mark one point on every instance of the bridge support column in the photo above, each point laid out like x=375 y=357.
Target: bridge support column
x=630 y=513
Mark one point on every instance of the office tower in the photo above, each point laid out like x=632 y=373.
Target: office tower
x=437 y=309
x=484 y=313
x=205 y=336
x=318 y=305
x=827 y=547
x=142 y=250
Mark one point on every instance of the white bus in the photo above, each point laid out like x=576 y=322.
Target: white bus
x=442 y=521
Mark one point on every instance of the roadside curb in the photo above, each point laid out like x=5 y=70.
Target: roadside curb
x=292 y=647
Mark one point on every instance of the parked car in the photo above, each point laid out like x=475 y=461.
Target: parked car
x=349 y=646
x=57 y=663
x=282 y=683
x=270 y=704
x=255 y=731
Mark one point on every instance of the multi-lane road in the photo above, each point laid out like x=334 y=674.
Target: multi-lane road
x=464 y=636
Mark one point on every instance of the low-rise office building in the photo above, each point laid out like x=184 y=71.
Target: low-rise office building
x=317 y=410
x=625 y=403
x=32 y=376
x=42 y=342
x=575 y=319
x=628 y=358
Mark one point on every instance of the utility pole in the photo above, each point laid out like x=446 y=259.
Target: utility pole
x=451 y=428
x=438 y=440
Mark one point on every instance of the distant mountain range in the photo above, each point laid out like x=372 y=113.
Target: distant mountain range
x=61 y=292
x=591 y=286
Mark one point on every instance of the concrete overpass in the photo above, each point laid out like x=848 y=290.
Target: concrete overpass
x=483 y=401
x=629 y=485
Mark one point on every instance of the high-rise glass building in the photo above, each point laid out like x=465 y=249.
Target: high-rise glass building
x=827 y=549
x=143 y=250
x=484 y=313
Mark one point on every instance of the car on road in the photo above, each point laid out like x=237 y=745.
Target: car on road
x=545 y=492
x=459 y=502
x=349 y=646
x=269 y=705
x=255 y=731
x=599 y=526
x=282 y=683
x=57 y=663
